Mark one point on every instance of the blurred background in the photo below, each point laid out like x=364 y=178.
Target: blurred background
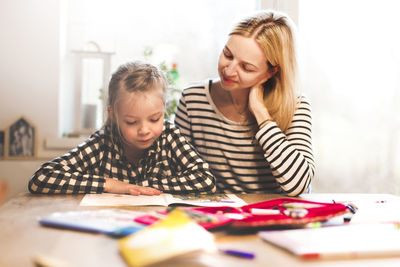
x=57 y=57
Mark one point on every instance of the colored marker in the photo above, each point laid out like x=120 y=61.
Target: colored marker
x=237 y=253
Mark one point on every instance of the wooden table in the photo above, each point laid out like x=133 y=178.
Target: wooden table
x=21 y=238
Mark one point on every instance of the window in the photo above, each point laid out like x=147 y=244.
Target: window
x=188 y=33
x=91 y=74
x=351 y=70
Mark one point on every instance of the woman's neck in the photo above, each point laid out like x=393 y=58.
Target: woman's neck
x=239 y=100
x=233 y=104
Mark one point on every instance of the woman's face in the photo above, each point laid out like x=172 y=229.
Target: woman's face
x=242 y=64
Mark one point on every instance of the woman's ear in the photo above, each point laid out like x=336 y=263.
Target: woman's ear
x=274 y=70
x=270 y=73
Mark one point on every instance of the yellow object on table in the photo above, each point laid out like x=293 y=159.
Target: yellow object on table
x=175 y=235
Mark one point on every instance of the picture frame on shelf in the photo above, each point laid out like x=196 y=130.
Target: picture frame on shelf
x=21 y=142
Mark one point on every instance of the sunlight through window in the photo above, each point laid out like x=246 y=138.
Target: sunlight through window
x=351 y=70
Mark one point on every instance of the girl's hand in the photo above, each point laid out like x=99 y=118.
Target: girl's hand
x=118 y=187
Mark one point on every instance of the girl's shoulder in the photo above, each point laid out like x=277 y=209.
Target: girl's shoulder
x=169 y=127
x=170 y=131
x=98 y=139
x=98 y=135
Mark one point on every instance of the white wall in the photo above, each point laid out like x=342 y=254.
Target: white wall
x=29 y=78
x=29 y=66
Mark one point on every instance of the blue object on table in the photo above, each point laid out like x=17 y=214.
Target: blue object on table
x=238 y=253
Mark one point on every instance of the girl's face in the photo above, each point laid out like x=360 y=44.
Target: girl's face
x=141 y=118
x=242 y=64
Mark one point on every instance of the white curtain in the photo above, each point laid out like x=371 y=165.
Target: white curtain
x=350 y=66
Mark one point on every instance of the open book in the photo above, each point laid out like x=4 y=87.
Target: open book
x=215 y=200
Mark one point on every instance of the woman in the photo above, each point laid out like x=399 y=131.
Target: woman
x=250 y=125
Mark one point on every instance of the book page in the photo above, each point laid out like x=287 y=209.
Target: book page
x=108 y=199
x=215 y=200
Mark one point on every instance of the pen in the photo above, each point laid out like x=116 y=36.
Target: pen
x=237 y=253
x=352 y=208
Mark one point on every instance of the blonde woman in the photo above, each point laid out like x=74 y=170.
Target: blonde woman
x=250 y=125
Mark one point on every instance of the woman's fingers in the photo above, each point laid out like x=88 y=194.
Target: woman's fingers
x=256 y=97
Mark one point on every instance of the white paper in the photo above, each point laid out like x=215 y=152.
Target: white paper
x=108 y=199
x=347 y=241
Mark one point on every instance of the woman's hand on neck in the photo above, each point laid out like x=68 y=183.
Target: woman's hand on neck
x=256 y=104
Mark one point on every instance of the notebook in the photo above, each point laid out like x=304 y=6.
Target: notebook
x=338 y=242
x=114 y=222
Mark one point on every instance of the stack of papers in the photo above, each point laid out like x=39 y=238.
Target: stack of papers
x=337 y=242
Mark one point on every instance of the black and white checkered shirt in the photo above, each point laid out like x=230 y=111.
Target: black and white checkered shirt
x=170 y=165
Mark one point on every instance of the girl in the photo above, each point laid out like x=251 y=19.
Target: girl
x=137 y=152
x=249 y=125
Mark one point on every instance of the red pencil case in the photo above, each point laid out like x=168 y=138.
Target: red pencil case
x=281 y=212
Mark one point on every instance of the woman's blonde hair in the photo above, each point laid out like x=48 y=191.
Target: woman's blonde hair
x=135 y=76
x=274 y=33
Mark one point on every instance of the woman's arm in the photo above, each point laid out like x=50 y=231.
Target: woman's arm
x=191 y=173
x=290 y=155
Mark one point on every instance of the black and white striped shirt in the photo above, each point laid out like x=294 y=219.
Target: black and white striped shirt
x=245 y=161
x=171 y=165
